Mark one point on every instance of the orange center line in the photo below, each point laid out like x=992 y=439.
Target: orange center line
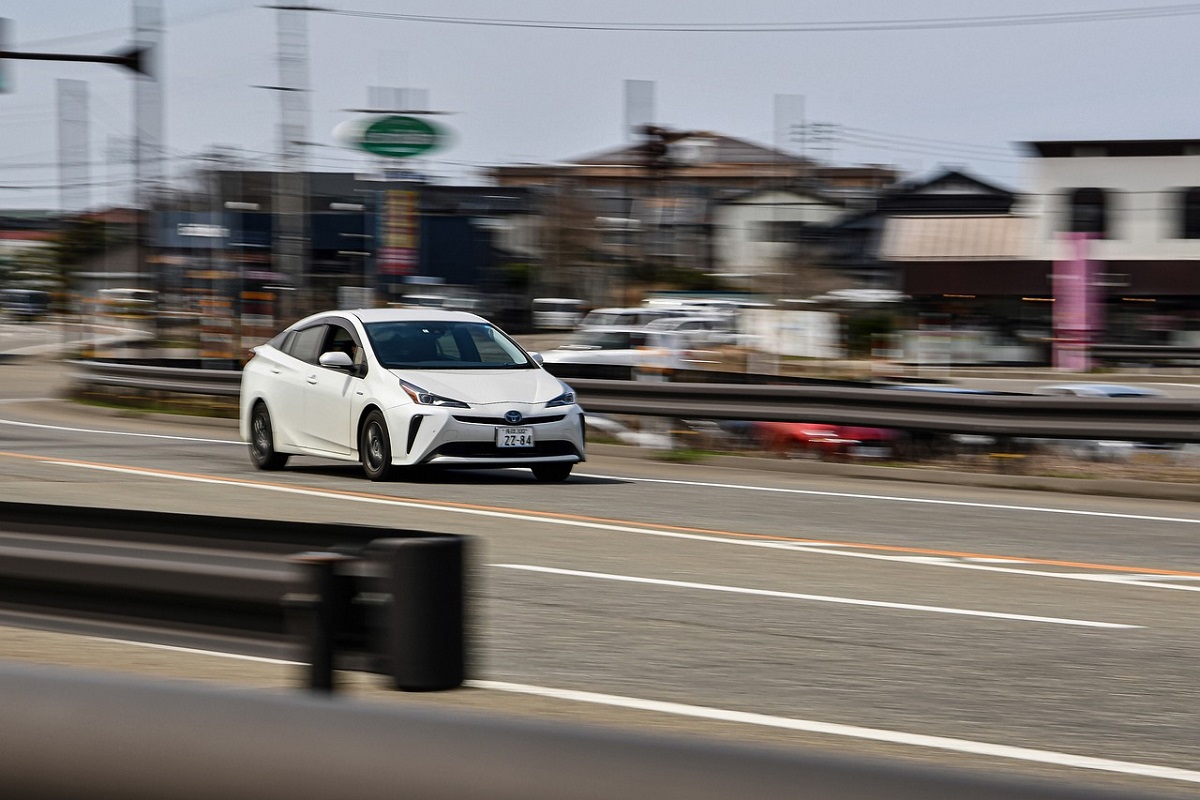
x=581 y=518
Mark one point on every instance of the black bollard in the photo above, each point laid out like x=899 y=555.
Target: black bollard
x=422 y=626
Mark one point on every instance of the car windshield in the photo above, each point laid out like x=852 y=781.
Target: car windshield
x=444 y=345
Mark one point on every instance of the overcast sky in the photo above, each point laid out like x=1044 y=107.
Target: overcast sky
x=521 y=94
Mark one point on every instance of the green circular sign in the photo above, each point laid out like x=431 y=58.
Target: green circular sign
x=400 y=137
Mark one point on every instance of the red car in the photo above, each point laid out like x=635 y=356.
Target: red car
x=819 y=440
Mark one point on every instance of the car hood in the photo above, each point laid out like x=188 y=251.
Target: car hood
x=483 y=386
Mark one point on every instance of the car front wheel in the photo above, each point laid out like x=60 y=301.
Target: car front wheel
x=552 y=473
x=375 y=447
x=262 y=441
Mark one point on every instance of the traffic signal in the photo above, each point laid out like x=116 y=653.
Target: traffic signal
x=656 y=149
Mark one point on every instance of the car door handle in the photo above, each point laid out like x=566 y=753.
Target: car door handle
x=312 y=378
x=275 y=370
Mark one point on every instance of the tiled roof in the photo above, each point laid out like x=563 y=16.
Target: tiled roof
x=956 y=238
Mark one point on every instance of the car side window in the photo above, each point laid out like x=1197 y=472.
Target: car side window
x=342 y=340
x=306 y=343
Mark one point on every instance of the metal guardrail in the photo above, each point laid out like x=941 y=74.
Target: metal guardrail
x=65 y=735
x=176 y=380
x=1141 y=419
x=393 y=601
x=1149 y=419
x=1143 y=353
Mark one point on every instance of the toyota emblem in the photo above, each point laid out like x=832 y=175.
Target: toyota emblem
x=512 y=417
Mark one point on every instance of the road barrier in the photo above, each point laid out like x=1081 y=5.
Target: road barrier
x=162 y=379
x=1150 y=419
x=393 y=603
x=66 y=735
x=1146 y=354
x=1141 y=419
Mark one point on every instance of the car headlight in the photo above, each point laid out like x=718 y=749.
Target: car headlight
x=567 y=398
x=424 y=398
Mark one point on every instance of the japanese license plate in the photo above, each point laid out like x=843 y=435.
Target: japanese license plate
x=514 y=437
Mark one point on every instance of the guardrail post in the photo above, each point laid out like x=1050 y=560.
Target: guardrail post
x=422 y=633
x=325 y=598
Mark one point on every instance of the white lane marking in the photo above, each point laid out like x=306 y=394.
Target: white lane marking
x=896 y=499
x=816 y=598
x=711 y=485
x=118 y=433
x=14 y=400
x=198 y=652
x=821 y=548
x=965 y=563
x=921 y=740
x=855 y=732
x=432 y=506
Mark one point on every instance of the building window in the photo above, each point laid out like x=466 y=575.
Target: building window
x=1089 y=212
x=1189 y=213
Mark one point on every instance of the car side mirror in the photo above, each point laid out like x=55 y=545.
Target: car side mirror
x=336 y=359
x=537 y=358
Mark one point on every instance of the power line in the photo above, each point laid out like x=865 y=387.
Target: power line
x=840 y=26
x=879 y=143
x=982 y=148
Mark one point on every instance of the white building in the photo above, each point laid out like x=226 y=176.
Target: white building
x=1141 y=198
x=756 y=234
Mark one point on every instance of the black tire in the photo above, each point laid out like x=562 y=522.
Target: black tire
x=556 y=472
x=375 y=448
x=262 y=441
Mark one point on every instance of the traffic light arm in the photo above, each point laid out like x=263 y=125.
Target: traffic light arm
x=132 y=58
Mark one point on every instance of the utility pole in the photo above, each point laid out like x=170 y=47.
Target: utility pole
x=291 y=180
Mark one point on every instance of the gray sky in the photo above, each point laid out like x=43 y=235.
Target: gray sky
x=534 y=94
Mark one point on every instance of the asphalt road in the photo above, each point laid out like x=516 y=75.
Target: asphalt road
x=1034 y=634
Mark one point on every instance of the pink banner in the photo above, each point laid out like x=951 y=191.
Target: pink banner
x=1078 y=305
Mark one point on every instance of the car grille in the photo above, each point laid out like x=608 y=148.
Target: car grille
x=502 y=421
x=489 y=450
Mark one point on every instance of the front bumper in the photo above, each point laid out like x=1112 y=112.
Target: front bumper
x=467 y=437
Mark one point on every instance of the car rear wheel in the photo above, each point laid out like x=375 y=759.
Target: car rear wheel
x=262 y=441
x=552 y=473
x=375 y=448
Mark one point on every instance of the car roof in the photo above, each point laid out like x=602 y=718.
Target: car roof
x=403 y=315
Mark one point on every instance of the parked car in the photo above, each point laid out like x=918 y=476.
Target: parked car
x=24 y=304
x=711 y=329
x=623 y=346
x=395 y=388
x=1098 y=449
x=625 y=317
x=1097 y=390
x=820 y=440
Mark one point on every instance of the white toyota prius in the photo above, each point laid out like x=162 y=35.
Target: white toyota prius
x=395 y=388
